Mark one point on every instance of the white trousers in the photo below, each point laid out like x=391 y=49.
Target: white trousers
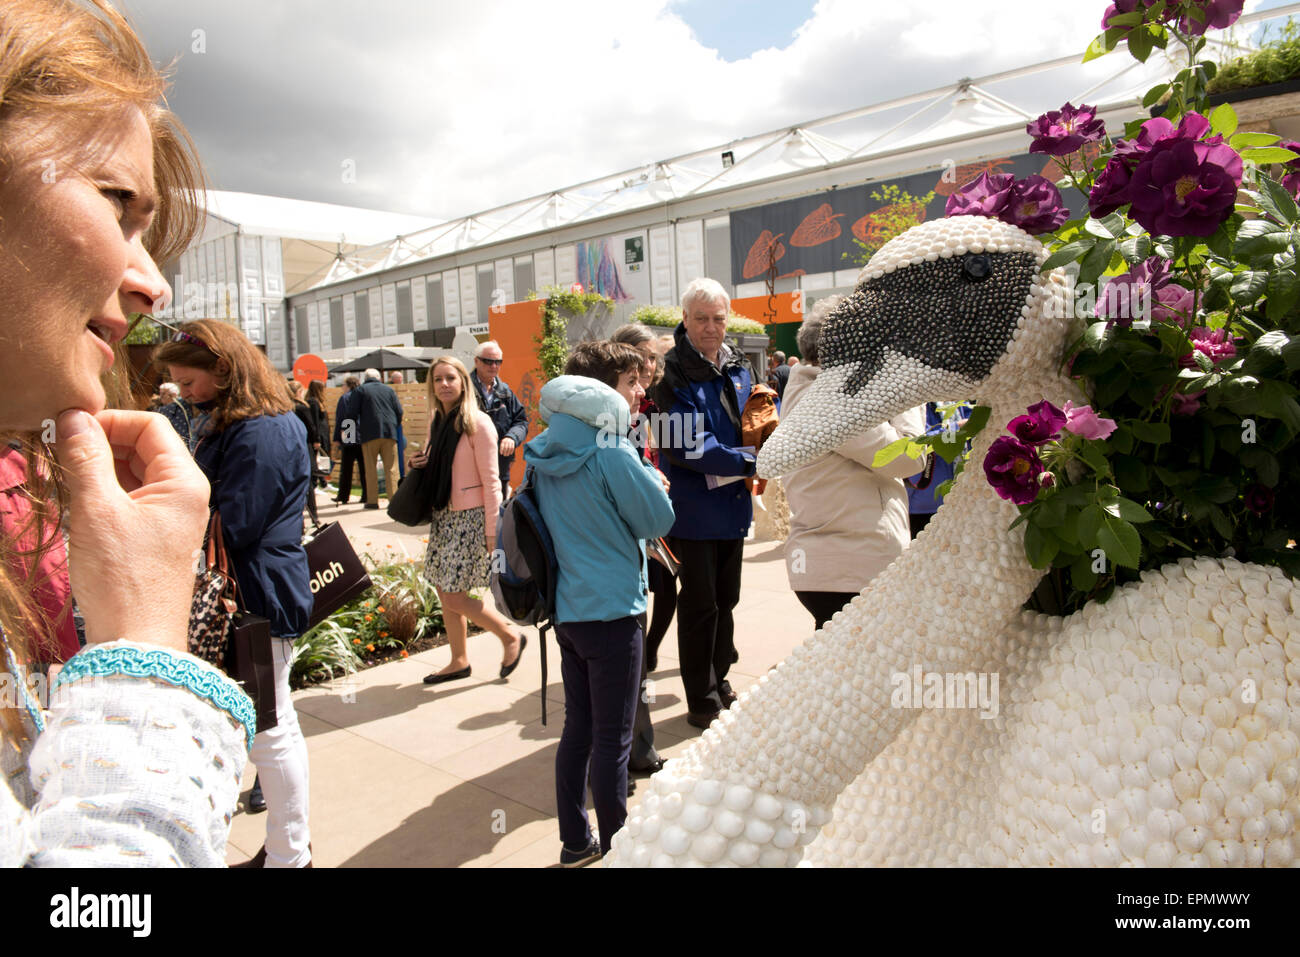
x=280 y=756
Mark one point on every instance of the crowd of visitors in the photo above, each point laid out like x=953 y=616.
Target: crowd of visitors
x=240 y=443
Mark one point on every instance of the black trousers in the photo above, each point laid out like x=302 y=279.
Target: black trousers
x=824 y=604
x=663 y=587
x=709 y=588
x=643 y=753
x=351 y=457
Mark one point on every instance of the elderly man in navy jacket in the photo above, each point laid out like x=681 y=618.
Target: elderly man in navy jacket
x=380 y=413
x=498 y=401
x=704 y=388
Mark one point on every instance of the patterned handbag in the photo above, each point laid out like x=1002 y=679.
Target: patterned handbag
x=213 y=609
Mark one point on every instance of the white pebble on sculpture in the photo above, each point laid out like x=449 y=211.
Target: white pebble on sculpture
x=1160 y=728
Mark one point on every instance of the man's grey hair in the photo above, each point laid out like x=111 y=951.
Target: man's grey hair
x=703 y=288
x=373 y=374
x=812 y=327
x=169 y=388
x=483 y=346
x=779 y=356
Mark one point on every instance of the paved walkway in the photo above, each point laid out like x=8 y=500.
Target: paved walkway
x=409 y=775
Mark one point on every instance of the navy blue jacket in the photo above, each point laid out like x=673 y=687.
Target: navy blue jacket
x=702 y=437
x=259 y=470
x=347 y=411
x=507 y=414
x=379 y=411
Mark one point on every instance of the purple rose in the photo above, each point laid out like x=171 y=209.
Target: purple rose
x=1034 y=204
x=1216 y=345
x=1173 y=304
x=1013 y=469
x=1259 y=498
x=1183 y=187
x=1122 y=6
x=1110 y=191
x=1291 y=180
x=984 y=196
x=1086 y=423
x=1043 y=423
x=1128 y=296
x=1060 y=132
x=1215 y=15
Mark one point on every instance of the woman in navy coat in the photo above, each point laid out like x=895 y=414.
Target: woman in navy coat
x=253 y=450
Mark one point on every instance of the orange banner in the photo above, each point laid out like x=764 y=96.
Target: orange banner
x=782 y=307
x=517 y=328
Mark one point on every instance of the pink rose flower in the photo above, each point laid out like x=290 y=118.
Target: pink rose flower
x=1085 y=423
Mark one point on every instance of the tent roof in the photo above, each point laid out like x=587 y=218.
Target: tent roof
x=300 y=219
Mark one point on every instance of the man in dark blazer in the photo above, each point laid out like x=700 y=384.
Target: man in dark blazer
x=347 y=433
x=380 y=414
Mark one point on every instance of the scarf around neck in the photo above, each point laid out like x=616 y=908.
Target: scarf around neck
x=442 y=449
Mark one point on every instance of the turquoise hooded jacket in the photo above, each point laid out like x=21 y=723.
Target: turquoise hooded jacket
x=598 y=499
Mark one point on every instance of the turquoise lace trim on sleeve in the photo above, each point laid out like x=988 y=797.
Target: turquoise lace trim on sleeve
x=163 y=665
x=20 y=679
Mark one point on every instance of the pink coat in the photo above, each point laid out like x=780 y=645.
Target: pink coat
x=475 y=480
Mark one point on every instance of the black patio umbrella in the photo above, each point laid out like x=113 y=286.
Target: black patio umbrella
x=383 y=360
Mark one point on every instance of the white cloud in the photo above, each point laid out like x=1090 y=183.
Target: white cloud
x=452 y=107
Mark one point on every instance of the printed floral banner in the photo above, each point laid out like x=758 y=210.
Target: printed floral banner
x=814 y=234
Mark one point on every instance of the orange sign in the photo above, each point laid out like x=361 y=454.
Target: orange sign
x=782 y=307
x=309 y=367
x=516 y=328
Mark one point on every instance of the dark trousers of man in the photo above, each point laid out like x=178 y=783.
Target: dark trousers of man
x=824 y=604
x=351 y=457
x=709 y=588
x=600 y=663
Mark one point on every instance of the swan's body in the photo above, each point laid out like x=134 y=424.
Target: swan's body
x=1160 y=727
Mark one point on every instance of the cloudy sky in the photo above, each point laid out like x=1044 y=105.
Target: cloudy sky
x=446 y=107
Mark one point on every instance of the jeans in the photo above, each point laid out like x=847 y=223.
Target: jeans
x=280 y=756
x=600 y=663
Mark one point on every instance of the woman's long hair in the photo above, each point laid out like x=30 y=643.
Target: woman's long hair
x=466 y=421
x=248 y=385
x=67 y=68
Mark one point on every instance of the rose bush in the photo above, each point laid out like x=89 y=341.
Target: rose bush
x=1190 y=354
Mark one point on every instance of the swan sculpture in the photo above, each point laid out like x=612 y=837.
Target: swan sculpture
x=1158 y=728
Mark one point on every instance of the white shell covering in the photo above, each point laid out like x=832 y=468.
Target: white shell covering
x=1160 y=728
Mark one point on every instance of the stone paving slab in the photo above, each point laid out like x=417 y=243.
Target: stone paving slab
x=409 y=775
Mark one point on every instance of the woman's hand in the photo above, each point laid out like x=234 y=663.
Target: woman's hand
x=138 y=511
x=418 y=459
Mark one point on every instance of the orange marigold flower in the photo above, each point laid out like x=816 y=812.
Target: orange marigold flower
x=356 y=641
x=383 y=634
x=405 y=655
x=370 y=647
x=370 y=617
x=380 y=609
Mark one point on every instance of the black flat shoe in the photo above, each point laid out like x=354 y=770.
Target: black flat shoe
x=437 y=679
x=256 y=802
x=653 y=768
x=506 y=669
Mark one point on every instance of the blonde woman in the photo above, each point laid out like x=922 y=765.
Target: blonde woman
x=97 y=183
x=461 y=450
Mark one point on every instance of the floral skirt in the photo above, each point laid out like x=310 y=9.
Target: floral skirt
x=457 y=559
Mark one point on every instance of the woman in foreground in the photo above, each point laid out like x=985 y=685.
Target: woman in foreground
x=138 y=759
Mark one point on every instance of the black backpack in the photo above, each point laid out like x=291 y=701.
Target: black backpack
x=524 y=566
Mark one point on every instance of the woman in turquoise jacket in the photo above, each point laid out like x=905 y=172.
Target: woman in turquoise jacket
x=599 y=502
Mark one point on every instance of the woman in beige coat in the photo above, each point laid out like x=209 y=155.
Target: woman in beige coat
x=848 y=521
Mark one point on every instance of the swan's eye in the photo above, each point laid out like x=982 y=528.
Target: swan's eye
x=976 y=267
